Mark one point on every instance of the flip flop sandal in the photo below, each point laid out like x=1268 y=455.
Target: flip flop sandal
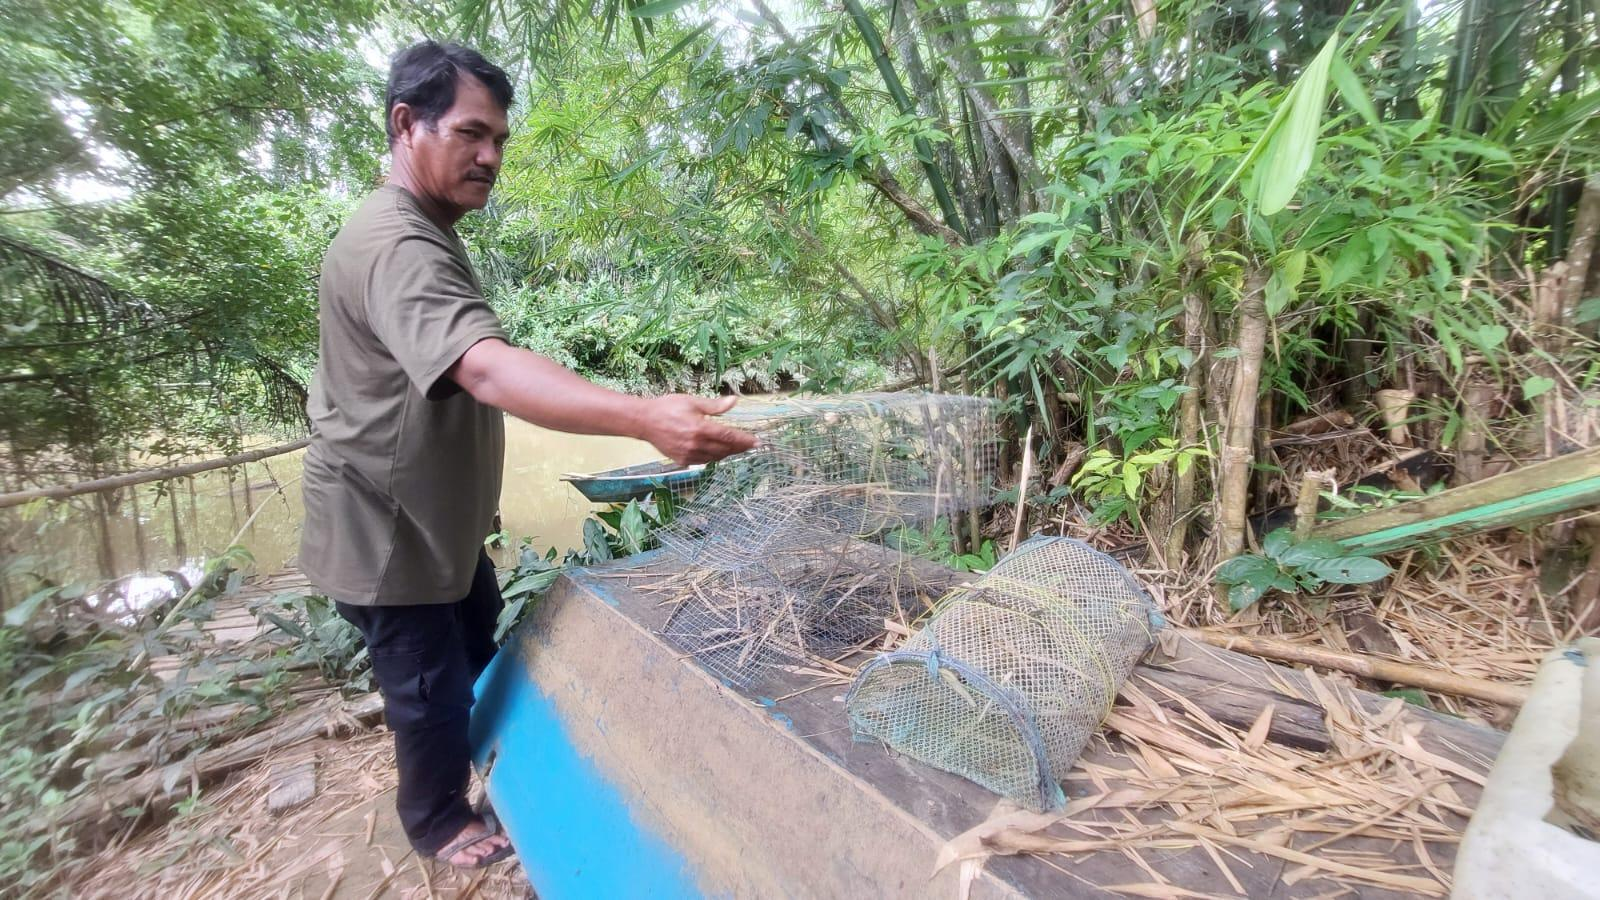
x=492 y=826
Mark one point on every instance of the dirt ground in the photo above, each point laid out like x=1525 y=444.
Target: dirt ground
x=345 y=844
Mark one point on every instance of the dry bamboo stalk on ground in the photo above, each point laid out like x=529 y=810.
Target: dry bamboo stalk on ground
x=1367 y=667
x=150 y=790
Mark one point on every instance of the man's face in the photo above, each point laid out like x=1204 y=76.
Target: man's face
x=455 y=162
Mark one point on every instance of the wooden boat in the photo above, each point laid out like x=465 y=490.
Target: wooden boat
x=634 y=482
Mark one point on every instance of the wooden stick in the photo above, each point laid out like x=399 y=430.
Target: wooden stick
x=1022 y=487
x=1586 y=596
x=17 y=498
x=1367 y=667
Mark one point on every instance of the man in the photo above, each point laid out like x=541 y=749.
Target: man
x=403 y=473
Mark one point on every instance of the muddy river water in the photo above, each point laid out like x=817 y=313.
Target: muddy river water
x=175 y=525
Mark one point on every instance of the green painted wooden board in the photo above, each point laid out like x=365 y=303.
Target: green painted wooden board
x=1542 y=490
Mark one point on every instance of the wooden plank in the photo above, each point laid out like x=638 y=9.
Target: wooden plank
x=1295 y=723
x=1543 y=489
x=1450 y=737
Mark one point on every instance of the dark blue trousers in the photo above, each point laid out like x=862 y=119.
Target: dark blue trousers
x=425 y=659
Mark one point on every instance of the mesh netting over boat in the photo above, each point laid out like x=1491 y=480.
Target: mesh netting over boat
x=771 y=537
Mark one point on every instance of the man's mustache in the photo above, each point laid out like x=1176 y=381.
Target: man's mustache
x=481 y=175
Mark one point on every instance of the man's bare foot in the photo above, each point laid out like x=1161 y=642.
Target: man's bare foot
x=474 y=846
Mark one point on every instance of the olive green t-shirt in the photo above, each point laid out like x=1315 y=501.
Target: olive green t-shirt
x=403 y=473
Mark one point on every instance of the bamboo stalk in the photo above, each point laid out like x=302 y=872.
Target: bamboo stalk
x=1022 y=488
x=891 y=80
x=1395 y=407
x=1581 y=254
x=1367 y=667
x=1305 y=504
x=1189 y=422
x=1548 y=337
x=1474 y=431
x=1238 y=443
x=17 y=498
x=1586 y=596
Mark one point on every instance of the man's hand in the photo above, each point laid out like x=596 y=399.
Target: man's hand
x=680 y=426
x=537 y=390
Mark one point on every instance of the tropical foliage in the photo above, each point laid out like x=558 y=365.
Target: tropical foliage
x=1131 y=220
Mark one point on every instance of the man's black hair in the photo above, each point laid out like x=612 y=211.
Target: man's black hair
x=423 y=76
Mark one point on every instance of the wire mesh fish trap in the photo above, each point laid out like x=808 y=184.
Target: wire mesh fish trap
x=826 y=474
x=1008 y=680
x=855 y=465
x=821 y=603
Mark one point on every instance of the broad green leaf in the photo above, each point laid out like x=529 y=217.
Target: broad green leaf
x=1490 y=337
x=1414 y=696
x=1536 y=386
x=1311 y=550
x=594 y=541
x=532 y=584
x=633 y=530
x=1353 y=257
x=1246 y=568
x=1291 y=142
x=1349 y=570
x=1276 y=542
x=1240 y=596
x=1283 y=286
x=284 y=625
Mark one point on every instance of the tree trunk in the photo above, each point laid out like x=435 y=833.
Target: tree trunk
x=1238 y=440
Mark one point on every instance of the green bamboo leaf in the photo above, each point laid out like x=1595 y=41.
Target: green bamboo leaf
x=18 y=615
x=1351 y=91
x=657 y=8
x=1291 y=145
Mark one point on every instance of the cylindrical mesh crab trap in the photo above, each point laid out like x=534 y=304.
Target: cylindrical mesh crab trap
x=1010 y=677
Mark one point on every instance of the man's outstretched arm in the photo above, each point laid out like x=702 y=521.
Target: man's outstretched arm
x=543 y=392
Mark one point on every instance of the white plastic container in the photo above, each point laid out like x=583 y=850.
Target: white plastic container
x=1509 y=850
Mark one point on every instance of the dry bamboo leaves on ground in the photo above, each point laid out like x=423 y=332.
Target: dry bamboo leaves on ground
x=1377 y=811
